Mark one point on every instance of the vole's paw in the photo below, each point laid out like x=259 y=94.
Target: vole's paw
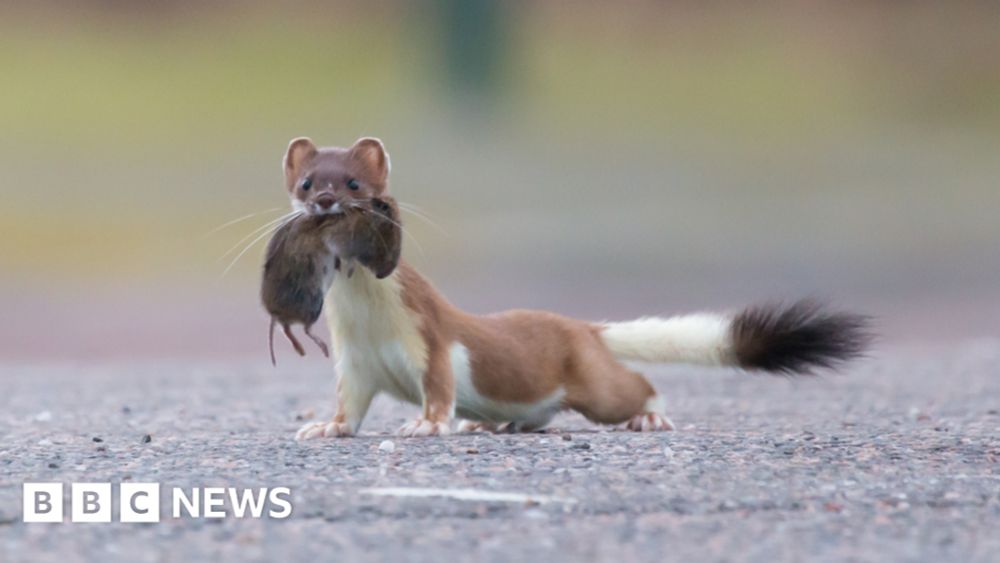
x=649 y=422
x=323 y=430
x=474 y=426
x=423 y=427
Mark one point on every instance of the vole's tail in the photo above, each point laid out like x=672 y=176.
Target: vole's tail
x=796 y=338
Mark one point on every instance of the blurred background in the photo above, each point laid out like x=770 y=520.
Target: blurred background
x=603 y=160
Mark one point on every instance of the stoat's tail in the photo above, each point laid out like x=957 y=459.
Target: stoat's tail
x=787 y=339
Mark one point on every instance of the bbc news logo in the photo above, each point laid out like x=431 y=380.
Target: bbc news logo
x=140 y=502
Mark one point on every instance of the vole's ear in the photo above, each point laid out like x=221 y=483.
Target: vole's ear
x=370 y=152
x=300 y=151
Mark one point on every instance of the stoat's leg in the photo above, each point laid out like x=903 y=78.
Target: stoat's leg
x=439 y=396
x=319 y=341
x=606 y=391
x=354 y=396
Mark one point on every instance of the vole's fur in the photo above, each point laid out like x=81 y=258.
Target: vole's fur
x=305 y=254
x=517 y=369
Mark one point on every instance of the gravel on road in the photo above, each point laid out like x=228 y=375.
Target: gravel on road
x=897 y=459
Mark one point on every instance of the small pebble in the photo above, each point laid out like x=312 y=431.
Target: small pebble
x=472 y=451
x=534 y=513
x=97 y=439
x=581 y=446
x=45 y=442
x=53 y=465
x=43 y=416
x=387 y=446
x=126 y=409
x=567 y=437
x=146 y=438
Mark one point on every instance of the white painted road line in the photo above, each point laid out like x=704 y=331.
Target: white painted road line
x=465 y=494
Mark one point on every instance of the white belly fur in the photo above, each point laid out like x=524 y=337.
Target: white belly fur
x=375 y=336
x=473 y=405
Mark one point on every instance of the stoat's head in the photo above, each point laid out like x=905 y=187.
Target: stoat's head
x=330 y=179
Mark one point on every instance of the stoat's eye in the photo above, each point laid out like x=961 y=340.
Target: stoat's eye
x=353 y=184
x=306 y=184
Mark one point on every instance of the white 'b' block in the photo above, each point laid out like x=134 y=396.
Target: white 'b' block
x=91 y=502
x=42 y=502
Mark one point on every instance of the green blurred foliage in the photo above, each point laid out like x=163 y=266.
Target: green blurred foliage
x=129 y=130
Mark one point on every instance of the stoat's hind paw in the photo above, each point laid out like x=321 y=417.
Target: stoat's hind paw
x=423 y=427
x=323 y=430
x=649 y=422
x=475 y=427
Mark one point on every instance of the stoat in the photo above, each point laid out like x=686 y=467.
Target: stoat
x=517 y=369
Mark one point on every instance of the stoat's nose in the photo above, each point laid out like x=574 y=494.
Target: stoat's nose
x=325 y=201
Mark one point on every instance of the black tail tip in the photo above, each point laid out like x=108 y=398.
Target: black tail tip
x=798 y=338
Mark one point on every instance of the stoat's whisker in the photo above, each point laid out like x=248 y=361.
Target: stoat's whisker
x=256 y=240
x=381 y=239
x=240 y=219
x=263 y=227
x=400 y=225
x=418 y=213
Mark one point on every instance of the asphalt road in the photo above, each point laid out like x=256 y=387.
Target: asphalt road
x=898 y=459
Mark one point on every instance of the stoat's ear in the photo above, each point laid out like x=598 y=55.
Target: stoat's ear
x=300 y=151
x=370 y=152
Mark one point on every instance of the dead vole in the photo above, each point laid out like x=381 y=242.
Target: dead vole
x=305 y=254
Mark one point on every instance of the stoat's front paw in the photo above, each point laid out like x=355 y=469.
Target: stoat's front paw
x=323 y=430
x=649 y=422
x=423 y=427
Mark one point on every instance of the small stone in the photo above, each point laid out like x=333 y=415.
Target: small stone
x=53 y=465
x=534 y=513
x=126 y=409
x=567 y=437
x=97 y=439
x=146 y=438
x=387 y=446
x=581 y=446
x=668 y=451
x=45 y=442
x=472 y=451
x=43 y=416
